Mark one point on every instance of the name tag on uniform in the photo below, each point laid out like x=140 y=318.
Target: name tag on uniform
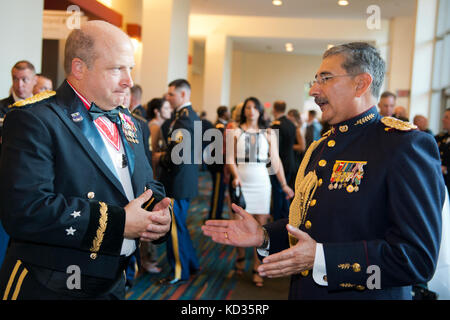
x=347 y=174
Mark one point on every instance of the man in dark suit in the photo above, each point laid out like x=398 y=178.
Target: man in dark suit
x=216 y=168
x=365 y=222
x=287 y=137
x=75 y=179
x=180 y=178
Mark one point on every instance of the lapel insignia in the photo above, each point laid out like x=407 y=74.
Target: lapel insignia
x=347 y=174
x=343 y=128
x=128 y=128
x=77 y=117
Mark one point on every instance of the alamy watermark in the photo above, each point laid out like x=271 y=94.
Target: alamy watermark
x=373 y=22
x=220 y=148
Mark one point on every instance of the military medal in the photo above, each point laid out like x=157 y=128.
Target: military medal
x=128 y=128
x=347 y=174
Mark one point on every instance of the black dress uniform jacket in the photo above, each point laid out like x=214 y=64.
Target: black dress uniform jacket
x=287 y=138
x=378 y=202
x=181 y=180
x=60 y=202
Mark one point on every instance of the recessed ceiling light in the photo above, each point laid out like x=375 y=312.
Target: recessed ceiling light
x=277 y=3
x=289 y=47
x=343 y=2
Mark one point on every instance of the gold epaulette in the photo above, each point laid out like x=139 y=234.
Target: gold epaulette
x=394 y=123
x=36 y=98
x=220 y=126
x=276 y=123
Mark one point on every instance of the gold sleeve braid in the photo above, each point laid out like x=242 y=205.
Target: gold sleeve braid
x=305 y=187
x=97 y=242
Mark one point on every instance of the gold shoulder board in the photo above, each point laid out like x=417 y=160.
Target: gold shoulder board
x=397 y=124
x=220 y=126
x=36 y=98
x=276 y=123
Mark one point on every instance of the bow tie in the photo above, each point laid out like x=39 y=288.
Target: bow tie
x=97 y=112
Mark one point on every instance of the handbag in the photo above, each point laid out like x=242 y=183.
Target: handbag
x=236 y=196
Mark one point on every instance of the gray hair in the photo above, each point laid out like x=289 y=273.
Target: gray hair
x=361 y=57
x=79 y=45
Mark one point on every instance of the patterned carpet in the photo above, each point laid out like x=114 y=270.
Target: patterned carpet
x=216 y=279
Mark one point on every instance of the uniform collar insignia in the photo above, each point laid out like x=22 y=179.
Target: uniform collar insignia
x=359 y=121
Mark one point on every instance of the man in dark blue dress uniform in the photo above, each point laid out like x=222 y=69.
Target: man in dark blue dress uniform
x=75 y=179
x=365 y=222
x=180 y=178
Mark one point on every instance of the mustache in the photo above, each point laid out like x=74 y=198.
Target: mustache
x=319 y=100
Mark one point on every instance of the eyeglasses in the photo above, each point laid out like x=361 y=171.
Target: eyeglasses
x=323 y=80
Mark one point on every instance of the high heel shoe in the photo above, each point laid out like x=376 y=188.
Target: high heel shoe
x=238 y=269
x=257 y=279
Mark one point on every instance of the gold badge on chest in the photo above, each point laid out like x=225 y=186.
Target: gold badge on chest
x=347 y=174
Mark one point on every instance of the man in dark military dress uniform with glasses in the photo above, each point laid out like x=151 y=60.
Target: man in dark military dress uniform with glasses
x=365 y=222
x=75 y=179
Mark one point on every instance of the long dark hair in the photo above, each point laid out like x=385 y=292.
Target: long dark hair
x=152 y=105
x=259 y=107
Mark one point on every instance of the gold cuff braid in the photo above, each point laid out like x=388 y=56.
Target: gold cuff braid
x=101 y=230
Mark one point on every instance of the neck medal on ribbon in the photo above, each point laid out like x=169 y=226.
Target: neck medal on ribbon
x=347 y=174
x=128 y=127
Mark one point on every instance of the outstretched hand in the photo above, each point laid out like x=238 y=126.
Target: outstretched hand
x=244 y=232
x=293 y=260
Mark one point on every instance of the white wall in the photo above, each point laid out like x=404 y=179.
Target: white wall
x=21 y=41
x=400 y=64
x=271 y=77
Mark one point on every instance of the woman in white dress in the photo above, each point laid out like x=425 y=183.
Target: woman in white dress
x=254 y=148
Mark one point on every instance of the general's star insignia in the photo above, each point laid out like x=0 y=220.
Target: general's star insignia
x=76 y=214
x=71 y=231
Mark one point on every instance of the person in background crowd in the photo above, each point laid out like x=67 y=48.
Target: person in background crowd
x=361 y=192
x=217 y=169
x=443 y=141
x=255 y=147
x=313 y=128
x=23 y=81
x=175 y=177
x=400 y=113
x=386 y=104
x=43 y=83
x=159 y=111
x=136 y=107
x=300 y=145
x=422 y=123
x=286 y=131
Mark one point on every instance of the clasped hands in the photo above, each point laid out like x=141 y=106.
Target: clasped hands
x=247 y=232
x=147 y=225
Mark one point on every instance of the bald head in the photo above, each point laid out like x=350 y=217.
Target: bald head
x=92 y=39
